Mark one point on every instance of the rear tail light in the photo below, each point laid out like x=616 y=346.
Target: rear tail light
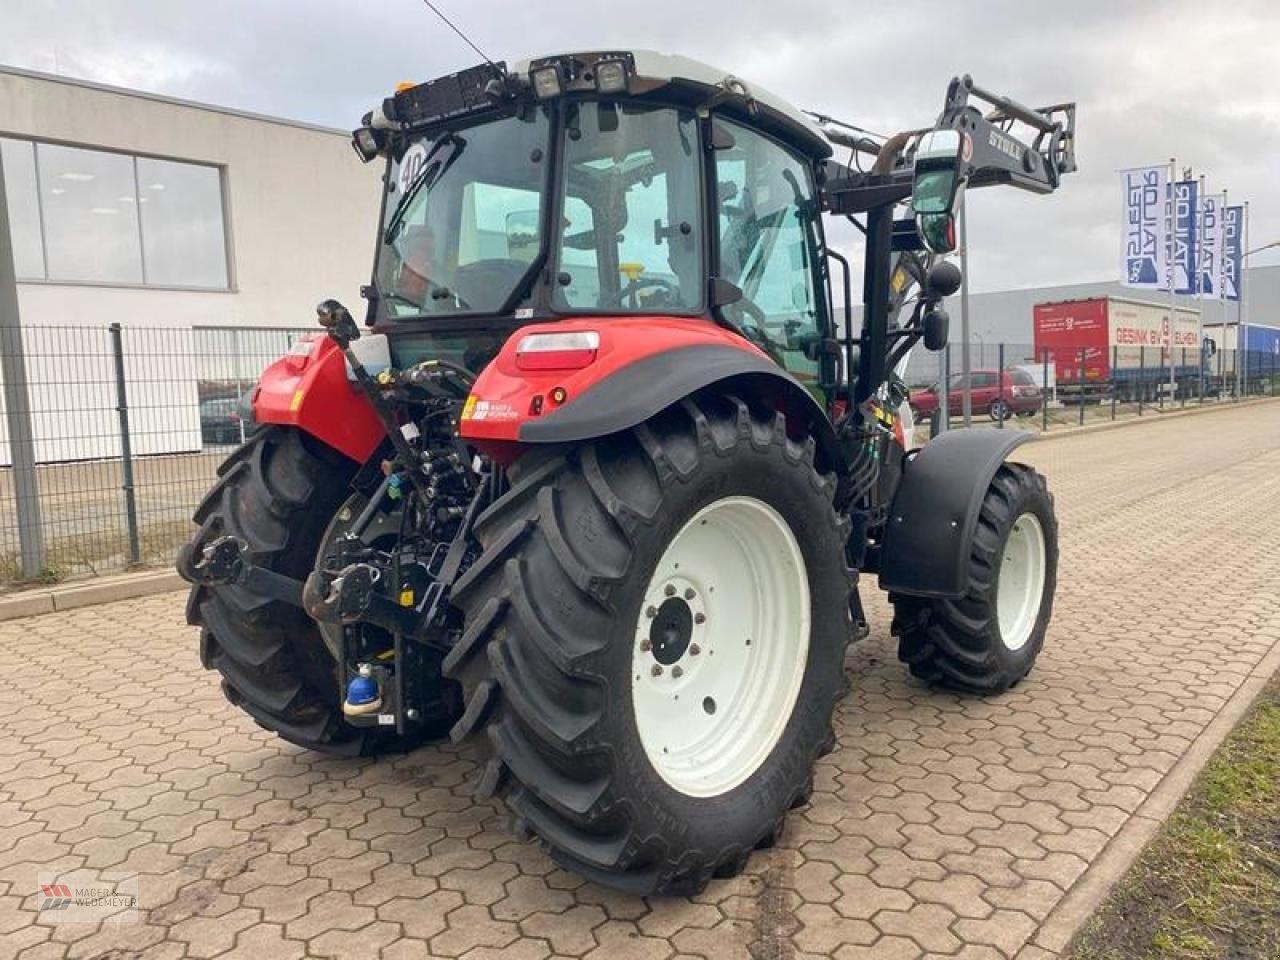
x=572 y=350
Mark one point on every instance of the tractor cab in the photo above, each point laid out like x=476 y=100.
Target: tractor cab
x=599 y=185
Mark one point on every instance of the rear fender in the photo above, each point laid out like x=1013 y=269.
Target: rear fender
x=931 y=523
x=643 y=366
x=308 y=388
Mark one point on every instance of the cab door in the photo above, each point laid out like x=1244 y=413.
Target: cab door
x=767 y=230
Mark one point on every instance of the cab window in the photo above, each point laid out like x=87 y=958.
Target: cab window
x=629 y=231
x=767 y=222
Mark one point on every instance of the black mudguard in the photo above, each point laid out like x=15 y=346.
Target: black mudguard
x=930 y=529
x=647 y=387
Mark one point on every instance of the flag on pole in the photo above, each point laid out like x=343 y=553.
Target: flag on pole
x=1186 y=213
x=1232 y=251
x=1211 y=248
x=1145 y=243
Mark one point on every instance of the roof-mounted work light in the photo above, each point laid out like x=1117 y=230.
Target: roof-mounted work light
x=546 y=81
x=611 y=75
x=366 y=142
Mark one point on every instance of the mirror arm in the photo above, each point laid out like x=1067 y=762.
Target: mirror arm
x=910 y=339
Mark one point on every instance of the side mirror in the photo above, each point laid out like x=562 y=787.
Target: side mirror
x=935 y=187
x=936 y=172
x=937 y=231
x=936 y=328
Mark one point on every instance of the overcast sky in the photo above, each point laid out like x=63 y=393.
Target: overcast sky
x=1196 y=81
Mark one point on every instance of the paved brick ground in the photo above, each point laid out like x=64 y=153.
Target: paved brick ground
x=941 y=825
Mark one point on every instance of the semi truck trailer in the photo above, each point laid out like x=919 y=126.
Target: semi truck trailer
x=1102 y=343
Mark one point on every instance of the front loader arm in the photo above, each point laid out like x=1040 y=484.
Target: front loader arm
x=998 y=152
x=1000 y=157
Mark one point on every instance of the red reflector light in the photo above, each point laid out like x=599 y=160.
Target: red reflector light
x=557 y=351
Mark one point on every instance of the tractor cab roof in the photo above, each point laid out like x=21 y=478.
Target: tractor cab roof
x=703 y=83
x=638 y=73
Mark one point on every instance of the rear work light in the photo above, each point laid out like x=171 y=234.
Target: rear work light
x=557 y=351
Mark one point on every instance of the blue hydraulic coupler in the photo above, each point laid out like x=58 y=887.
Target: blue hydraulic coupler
x=363 y=695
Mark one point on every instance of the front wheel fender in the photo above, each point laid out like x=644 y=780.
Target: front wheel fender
x=929 y=532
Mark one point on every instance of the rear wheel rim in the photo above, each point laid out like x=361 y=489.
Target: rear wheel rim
x=720 y=647
x=1021 y=586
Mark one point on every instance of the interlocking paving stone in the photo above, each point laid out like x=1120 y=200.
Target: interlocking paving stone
x=941 y=825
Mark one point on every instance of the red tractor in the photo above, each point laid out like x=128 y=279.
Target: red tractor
x=600 y=480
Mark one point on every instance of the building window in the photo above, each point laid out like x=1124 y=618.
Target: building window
x=183 y=244
x=19 y=157
x=89 y=216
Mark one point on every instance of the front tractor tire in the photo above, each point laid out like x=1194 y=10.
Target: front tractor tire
x=987 y=641
x=655 y=641
x=278 y=492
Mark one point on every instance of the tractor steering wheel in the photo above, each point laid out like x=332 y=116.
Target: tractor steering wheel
x=635 y=286
x=757 y=332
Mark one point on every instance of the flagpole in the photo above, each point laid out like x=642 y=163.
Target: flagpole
x=1242 y=315
x=1198 y=287
x=1172 y=256
x=1222 y=284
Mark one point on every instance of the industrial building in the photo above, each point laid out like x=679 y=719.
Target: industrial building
x=178 y=218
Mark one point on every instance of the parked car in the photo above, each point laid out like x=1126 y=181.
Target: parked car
x=221 y=421
x=1018 y=394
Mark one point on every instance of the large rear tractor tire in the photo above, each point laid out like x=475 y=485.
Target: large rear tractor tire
x=988 y=640
x=655 y=641
x=278 y=492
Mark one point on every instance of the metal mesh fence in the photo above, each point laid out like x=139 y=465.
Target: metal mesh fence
x=1016 y=386
x=130 y=423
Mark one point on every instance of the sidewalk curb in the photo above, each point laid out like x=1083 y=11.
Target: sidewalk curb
x=1071 y=913
x=1153 y=418
x=32 y=603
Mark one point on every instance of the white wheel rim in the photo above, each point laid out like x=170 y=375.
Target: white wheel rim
x=1021 y=585
x=710 y=711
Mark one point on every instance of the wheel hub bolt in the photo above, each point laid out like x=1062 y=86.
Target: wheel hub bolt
x=645 y=646
x=656 y=670
x=699 y=618
x=689 y=594
x=677 y=672
x=651 y=612
x=669 y=590
x=694 y=649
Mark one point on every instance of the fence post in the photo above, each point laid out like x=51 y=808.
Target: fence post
x=17 y=407
x=126 y=446
x=1115 y=356
x=1159 y=385
x=1142 y=377
x=1044 y=393
x=1080 y=397
x=1182 y=394
x=1003 y=404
